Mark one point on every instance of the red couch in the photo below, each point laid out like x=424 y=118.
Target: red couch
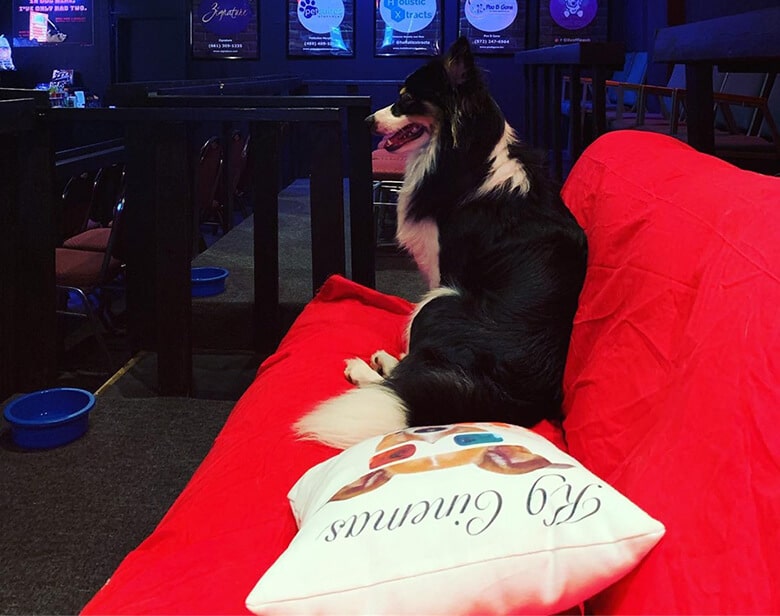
x=672 y=387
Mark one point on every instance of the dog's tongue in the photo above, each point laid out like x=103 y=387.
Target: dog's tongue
x=408 y=133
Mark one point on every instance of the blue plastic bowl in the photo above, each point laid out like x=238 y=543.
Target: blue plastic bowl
x=208 y=281
x=49 y=417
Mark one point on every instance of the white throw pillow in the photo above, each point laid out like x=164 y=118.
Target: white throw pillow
x=459 y=519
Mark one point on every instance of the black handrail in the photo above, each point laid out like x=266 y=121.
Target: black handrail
x=73 y=161
x=356 y=109
x=27 y=318
x=160 y=220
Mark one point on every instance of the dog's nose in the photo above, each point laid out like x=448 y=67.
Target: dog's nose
x=370 y=121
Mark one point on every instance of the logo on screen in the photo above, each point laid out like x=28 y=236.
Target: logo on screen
x=491 y=15
x=407 y=15
x=320 y=16
x=225 y=17
x=573 y=14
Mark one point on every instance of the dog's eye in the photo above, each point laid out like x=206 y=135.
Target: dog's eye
x=403 y=105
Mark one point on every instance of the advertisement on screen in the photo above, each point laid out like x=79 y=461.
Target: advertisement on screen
x=493 y=27
x=224 y=30
x=320 y=27
x=408 y=28
x=39 y=23
x=572 y=21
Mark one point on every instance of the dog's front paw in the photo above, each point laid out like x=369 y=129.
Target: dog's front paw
x=360 y=373
x=383 y=363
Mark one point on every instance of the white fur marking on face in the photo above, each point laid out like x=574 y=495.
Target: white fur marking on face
x=505 y=173
x=385 y=123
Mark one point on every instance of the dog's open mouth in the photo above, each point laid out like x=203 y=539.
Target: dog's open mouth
x=408 y=133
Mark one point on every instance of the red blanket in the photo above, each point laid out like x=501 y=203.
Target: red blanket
x=673 y=378
x=672 y=386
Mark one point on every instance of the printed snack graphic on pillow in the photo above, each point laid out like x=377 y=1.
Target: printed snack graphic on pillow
x=395 y=456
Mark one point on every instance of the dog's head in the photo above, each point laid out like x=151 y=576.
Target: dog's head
x=430 y=102
x=56 y=37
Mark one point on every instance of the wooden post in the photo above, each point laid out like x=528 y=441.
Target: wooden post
x=327 y=204
x=265 y=147
x=172 y=230
x=361 y=210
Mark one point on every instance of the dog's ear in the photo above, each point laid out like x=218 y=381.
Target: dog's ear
x=459 y=62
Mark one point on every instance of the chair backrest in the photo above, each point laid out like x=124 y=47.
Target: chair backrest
x=622 y=74
x=677 y=77
x=236 y=159
x=208 y=174
x=677 y=81
x=773 y=105
x=245 y=178
x=106 y=192
x=718 y=79
x=76 y=204
x=634 y=71
x=116 y=245
x=748 y=84
x=638 y=70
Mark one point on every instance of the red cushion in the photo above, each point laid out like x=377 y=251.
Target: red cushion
x=233 y=519
x=92 y=239
x=673 y=380
x=82 y=268
x=387 y=165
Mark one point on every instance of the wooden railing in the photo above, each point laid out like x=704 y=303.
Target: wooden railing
x=353 y=110
x=160 y=222
x=266 y=85
x=72 y=161
x=542 y=107
x=28 y=327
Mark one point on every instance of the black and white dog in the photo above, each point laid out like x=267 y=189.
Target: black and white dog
x=504 y=259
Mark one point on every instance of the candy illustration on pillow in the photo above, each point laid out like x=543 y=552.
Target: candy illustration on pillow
x=396 y=451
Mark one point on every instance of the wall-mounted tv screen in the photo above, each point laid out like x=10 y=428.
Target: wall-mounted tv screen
x=39 y=23
x=408 y=28
x=493 y=27
x=572 y=21
x=320 y=28
x=224 y=30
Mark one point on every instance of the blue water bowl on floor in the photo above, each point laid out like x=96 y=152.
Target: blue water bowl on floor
x=49 y=417
x=208 y=281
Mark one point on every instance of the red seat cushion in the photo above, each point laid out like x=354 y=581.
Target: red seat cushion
x=82 y=268
x=92 y=239
x=387 y=165
x=673 y=379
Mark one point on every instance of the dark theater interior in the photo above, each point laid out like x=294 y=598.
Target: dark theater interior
x=199 y=230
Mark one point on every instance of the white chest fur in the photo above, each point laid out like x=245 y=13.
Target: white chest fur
x=419 y=237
